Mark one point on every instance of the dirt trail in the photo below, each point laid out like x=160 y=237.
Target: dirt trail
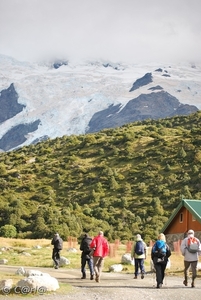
x=115 y=286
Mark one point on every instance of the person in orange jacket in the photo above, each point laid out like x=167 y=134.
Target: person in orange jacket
x=100 y=248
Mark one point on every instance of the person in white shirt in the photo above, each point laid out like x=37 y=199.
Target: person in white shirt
x=139 y=257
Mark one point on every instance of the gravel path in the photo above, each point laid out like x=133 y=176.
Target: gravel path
x=115 y=286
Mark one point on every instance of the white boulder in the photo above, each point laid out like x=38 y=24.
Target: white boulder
x=26 y=254
x=64 y=261
x=3 y=261
x=126 y=259
x=39 y=283
x=20 y=271
x=116 y=268
x=72 y=250
x=37 y=247
x=6 y=283
x=34 y=273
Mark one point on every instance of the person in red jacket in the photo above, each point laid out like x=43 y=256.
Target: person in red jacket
x=101 y=249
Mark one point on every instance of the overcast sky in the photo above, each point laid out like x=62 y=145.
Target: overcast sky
x=116 y=30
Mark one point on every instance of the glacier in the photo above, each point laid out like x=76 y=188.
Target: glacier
x=65 y=99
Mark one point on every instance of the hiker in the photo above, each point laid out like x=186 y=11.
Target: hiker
x=101 y=249
x=57 y=243
x=138 y=252
x=159 y=254
x=86 y=256
x=190 y=256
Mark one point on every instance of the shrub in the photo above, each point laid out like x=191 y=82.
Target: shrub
x=8 y=231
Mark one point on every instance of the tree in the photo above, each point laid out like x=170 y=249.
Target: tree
x=8 y=231
x=156 y=205
x=186 y=192
x=167 y=167
x=142 y=187
x=2 y=169
x=127 y=188
x=198 y=156
x=195 y=169
x=182 y=153
x=113 y=184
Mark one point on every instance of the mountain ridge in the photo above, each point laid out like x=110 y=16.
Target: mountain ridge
x=62 y=98
x=152 y=106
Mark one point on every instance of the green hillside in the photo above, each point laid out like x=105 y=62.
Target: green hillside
x=124 y=181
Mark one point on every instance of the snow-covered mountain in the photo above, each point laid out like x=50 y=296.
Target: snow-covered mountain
x=41 y=100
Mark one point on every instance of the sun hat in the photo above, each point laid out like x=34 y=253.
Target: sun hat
x=191 y=231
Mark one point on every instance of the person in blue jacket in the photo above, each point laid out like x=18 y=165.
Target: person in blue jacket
x=160 y=253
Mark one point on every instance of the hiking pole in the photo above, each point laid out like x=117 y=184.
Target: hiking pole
x=153 y=270
x=153 y=277
x=165 y=279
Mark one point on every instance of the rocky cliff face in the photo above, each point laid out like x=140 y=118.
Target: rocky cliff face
x=9 y=103
x=9 y=109
x=17 y=135
x=152 y=106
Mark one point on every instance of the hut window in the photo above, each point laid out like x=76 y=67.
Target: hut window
x=181 y=218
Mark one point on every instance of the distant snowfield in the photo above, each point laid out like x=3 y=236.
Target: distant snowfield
x=65 y=99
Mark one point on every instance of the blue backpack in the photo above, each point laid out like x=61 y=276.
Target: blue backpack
x=139 y=248
x=159 y=249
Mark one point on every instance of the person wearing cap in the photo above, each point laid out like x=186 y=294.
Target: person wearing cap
x=101 y=249
x=139 y=257
x=190 y=259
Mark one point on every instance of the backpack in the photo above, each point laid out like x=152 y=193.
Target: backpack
x=159 y=249
x=86 y=245
x=193 y=245
x=139 y=248
x=59 y=244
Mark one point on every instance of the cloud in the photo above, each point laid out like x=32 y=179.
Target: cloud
x=123 y=30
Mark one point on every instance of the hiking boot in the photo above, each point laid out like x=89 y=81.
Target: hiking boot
x=159 y=286
x=185 y=282
x=56 y=267
x=83 y=277
x=92 y=277
x=97 y=278
x=192 y=284
x=135 y=277
x=142 y=276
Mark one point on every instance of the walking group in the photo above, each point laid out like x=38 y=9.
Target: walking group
x=160 y=253
x=93 y=253
x=95 y=250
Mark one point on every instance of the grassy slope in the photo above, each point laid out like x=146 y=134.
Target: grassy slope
x=125 y=180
